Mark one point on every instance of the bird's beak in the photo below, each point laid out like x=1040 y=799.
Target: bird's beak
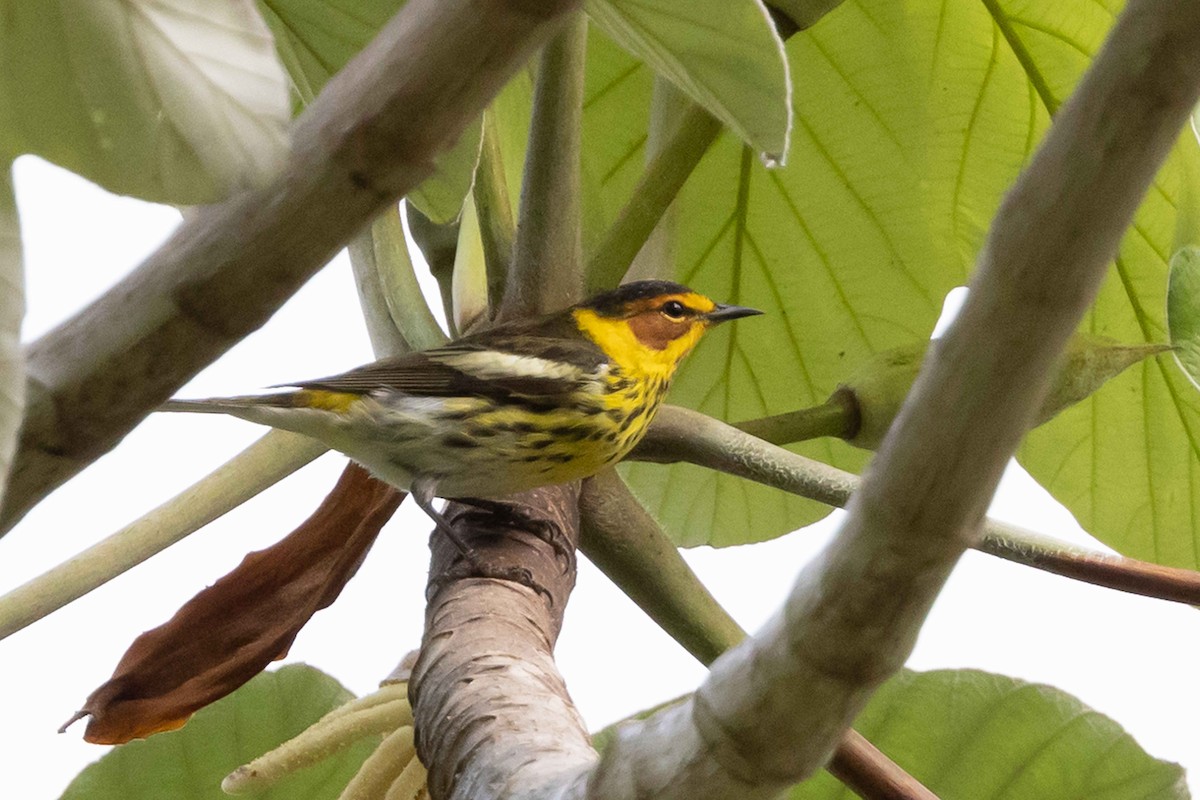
x=724 y=313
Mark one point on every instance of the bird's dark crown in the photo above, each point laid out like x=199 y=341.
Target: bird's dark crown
x=615 y=301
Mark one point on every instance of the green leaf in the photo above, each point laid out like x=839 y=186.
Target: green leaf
x=970 y=735
x=192 y=761
x=1183 y=310
x=12 y=309
x=1126 y=461
x=838 y=249
x=441 y=197
x=723 y=54
x=911 y=121
x=316 y=38
x=616 y=118
x=149 y=98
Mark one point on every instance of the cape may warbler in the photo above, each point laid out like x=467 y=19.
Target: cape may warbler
x=524 y=404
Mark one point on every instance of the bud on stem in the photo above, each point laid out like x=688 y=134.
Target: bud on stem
x=877 y=390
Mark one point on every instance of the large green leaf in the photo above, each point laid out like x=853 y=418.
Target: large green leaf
x=912 y=119
x=316 y=38
x=838 y=249
x=175 y=101
x=970 y=735
x=616 y=119
x=1126 y=462
x=191 y=762
x=441 y=196
x=724 y=54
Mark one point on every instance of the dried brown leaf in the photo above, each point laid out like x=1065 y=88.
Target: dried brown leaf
x=230 y=631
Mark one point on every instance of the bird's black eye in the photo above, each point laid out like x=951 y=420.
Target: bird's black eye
x=674 y=309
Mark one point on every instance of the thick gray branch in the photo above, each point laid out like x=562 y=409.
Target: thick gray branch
x=370 y=136
x=492 y=713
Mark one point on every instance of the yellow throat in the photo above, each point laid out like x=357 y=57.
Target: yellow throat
x=636 y=359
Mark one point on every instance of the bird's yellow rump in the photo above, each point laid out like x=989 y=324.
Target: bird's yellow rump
x=524 y=404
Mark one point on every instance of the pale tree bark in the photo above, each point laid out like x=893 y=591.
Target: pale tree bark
x=499 y=613
x=371 y=135
x=774 y=707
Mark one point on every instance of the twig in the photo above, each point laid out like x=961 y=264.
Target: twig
x=382 y=332
x=264 y=463
x=681 y=435
x=357 y=148
x=869 y=773
x=835 y=417
x=1100 y=569
x=382 y=250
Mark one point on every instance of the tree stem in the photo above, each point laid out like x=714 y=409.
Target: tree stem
x=546 y=273
x=683 y=435
x=264 y=463
x=621 y=538
x=660 y=183
x=834 y=417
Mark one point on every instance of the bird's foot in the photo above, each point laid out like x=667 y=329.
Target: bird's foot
x=516 y=517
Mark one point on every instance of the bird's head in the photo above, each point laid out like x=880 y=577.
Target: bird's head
x=649 y=326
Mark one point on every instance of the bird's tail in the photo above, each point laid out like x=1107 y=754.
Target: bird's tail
x=231 y=405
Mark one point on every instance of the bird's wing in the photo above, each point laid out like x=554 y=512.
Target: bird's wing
x=493 y=366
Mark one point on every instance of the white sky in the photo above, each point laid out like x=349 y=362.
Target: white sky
x=1131 y=658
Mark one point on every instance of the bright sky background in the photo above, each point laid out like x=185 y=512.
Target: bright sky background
x=1131 y=658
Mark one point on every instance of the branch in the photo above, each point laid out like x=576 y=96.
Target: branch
x=263 y=464
x=773 y=708
x=679 y=434
x=620 y=537
x=383 y=271
x=628 y=546
x=492 y=619
x=660 y=183
x=357 y=148
x=546 y=273
x=1101 y=569
x=492 y=624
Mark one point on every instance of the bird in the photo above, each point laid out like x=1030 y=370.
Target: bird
x=524 y=404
